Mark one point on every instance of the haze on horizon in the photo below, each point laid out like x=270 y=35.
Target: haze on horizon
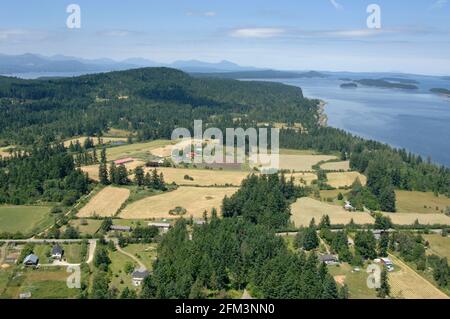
x=287 y=35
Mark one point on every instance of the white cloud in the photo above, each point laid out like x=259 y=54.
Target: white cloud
x=439 y=4
x=257 y=32
x=201 y=14
x=336 y=4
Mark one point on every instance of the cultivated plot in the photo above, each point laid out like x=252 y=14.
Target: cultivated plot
x=343 y=179
x=336 y=166
x=23 y=218
x=105 y=140
x=194 y=199
x=410 y=218
x=406 y=283
x=92 y=170
x=300 y=163
x=438 y=245
x=201 y=177
x=302 y=178
x=106 y=203
x=305 y=209
x=421 y=202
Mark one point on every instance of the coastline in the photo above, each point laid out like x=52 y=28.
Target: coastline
x=323 y=118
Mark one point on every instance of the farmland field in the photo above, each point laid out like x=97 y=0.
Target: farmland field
x=415 y=202
x=106 y=140
x=138 y=150
x=438 y=245
x=23 y=218
x=202 y=177
x=44 y=283
x=302 y=178
x=410 y=218
x=87 y=229
x=146 y=253
x=106 y=203
x=406 y=283
x=92 y=170
x=343 y=179
x=194 y=199
x=304 y=209
x=301 y=163
x=356 y=281
x=336 y=166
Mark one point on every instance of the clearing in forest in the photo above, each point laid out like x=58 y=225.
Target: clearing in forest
x=106 y=203
x=298 y=162
x=92 y=170
x=421 y=202
x=194 y=199
x=343 y=179
x=336 y=166
x=201 y=177
x=305 y=209
x=105 y=140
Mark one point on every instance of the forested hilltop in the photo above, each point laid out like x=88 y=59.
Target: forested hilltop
x=151 y=102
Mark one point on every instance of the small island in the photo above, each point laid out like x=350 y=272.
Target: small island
x=349 y=85
x=380 y=83
x=441 y=91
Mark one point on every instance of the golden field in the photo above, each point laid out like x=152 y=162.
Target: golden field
x=305 y=209
x=194 y=199
x=336 y=166
x=106 y=203
x=343 y=179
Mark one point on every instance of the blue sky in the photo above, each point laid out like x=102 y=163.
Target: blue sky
x=283 y=34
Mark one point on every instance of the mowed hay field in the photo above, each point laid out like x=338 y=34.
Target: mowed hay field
x=438 y=245
x=343 y=179
x=139 y=150
x=305 y=209
x=92 y=170
x=194 y=199
x=22 y=218
x=406 y=283
x=202 y=177
x=106 y=203
x=336 y=166
x=105 y=140
x=302 y=178
x=415 y=202
x=300 y=163
x=410 y=218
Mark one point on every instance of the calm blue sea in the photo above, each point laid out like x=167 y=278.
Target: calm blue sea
x=416 y=120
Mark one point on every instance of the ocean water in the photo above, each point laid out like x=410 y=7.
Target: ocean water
x=418 y=120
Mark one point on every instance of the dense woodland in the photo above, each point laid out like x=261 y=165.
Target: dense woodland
x=153 y=101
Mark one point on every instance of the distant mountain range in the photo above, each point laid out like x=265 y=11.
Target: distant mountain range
x=263 y=74
x=34 y=63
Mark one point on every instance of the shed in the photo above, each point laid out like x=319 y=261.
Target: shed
x=31 y=260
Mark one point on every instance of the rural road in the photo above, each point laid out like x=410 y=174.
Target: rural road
x=119 y=249
x=43 y=241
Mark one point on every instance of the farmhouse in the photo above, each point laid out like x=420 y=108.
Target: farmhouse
x=57 y=252
x=163 y=227
x=138 y=276
x=31 y=260
x=120 y=228
x=124 y=161
x=329 y=259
